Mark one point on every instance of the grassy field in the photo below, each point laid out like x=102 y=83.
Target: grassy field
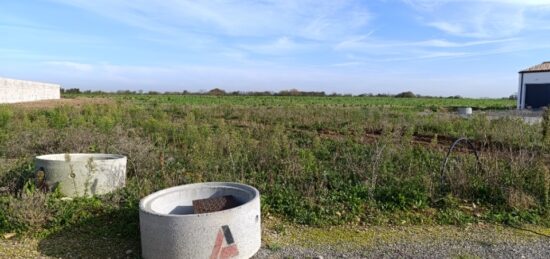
x=318 y=161
x=345 y=101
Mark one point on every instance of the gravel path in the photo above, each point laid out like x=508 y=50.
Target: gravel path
x=290 y=241
x=474 y=241
x=25 y=248
x=445 y=249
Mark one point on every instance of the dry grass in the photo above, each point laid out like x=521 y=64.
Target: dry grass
x=7 y=164
x=520 y=200
x=313 y=165
x=49 y=104
x=30 y=210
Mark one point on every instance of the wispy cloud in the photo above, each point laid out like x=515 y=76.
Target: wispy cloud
x=374 y=49
x=484 y=23
x=426 y=5
x=306 y=18
x=479 y=19
x=282 y=45
x=72 y=66
x=247 y=45
x=10 y=20
x=366 y=43
x=432 y=4
x=41 y=32
x=13 y=55
x=439 y=43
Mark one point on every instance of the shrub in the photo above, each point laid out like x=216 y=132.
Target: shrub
x=407 y=94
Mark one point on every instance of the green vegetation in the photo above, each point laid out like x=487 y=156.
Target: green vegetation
x=418 y=103
x=316 y=160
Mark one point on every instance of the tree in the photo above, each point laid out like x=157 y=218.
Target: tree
x=407 y=94
x=216 y=91
x=70 y=91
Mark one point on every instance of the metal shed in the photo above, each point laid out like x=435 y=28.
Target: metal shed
x=534 y=87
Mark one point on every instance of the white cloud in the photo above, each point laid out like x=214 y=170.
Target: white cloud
x=373 y=49
x=432 y=4
x=485 y=23
x=73 y=66
x=480 y=19
x=349 y=64
x=520 y=2
x=309 y=19
x=455 y=29
x=438 y=43
x=280 y=46
x=12 y=55
x=362 y=43
x=426 y=4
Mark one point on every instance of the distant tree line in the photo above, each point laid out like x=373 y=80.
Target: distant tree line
x=70 y=91
x=291 y=92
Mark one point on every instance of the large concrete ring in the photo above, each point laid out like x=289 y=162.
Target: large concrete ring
x=464 y=111
x=169 y=229
x=81 y=174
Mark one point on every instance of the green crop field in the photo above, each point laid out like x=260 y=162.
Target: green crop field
x=278 y=101
x=319 y=161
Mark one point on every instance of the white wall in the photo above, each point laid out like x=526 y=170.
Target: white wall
x=530 y=78
x=14 y=91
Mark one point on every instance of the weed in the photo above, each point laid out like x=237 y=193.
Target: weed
x=315 y=160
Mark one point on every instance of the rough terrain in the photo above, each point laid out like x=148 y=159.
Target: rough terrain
x=283 y=240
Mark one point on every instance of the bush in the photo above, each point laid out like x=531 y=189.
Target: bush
x=546 y=126
x=5 y=115
x=407 y=94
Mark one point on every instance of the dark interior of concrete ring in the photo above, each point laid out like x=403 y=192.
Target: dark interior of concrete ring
x=79 y=157
x=219 y=200
x=216 y=199
x=212 y=204
x=182 y=210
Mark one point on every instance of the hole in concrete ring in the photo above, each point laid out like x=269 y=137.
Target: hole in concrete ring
x=179 y=200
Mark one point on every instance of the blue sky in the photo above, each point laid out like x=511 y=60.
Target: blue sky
x=446 y=47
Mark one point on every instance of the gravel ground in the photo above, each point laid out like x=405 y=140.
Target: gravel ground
x=289 y=241
x=472 y=241
x=25 y=248
x=445 y=249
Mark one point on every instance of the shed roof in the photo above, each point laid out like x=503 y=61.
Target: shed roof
x=543 y=67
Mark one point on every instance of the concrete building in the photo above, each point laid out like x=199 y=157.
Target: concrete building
x=534 y=87
x=15 y=91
